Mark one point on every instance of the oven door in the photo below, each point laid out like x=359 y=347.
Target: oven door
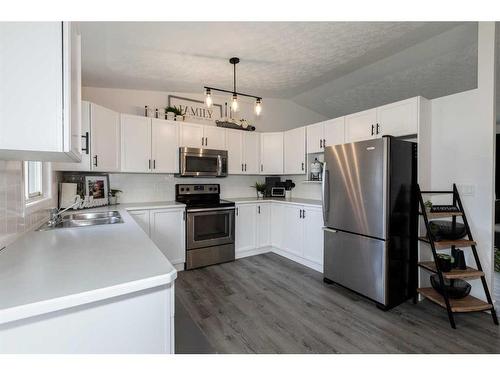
x=198 y=162
x=209 y=227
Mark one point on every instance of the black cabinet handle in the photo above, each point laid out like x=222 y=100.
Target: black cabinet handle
x=154 y=164
x=320 y=143
x=373 y=127
x=262 y=167
x=324 y=142
x=237 y=211
x=95 y=161
x=378 y=128
x=242 y=167
x=303 y=214
x=202 y=141
x=149 y=163
x=86 y=149
x=245 y=167
x=258 y=209
x=302 y=165
x=206 y=141
x=300 y=214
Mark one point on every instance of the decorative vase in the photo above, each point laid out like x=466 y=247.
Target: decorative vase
x=179 y=117
x=171 y=116
x=113 y=200
x=260 y=195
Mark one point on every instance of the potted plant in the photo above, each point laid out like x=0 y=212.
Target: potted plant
x=174 y=113
x=260 y=188
x=113 y=196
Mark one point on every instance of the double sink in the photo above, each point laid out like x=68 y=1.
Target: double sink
x=85 y=219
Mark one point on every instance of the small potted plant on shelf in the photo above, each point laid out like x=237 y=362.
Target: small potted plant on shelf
x=113 y=196
x=260 y=188
x=174 y=113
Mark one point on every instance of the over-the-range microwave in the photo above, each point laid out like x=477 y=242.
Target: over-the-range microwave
x=202 y=162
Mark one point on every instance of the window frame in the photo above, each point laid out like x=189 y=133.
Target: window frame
x=45 y=185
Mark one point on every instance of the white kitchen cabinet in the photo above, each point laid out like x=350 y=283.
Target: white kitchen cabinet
x=142 y=218
x=215 y=137
x=278 y=225
x=313 y=234
x=398 y=119
x=85 y=164
x=334 y=132
x=191 y=135
x=295 y=151
x=251 y=152
x=271 y=153
x=164 y=146
x=135 y=143
x=234 y=141
x=315 y=136
x=361 y=126
x=293 y=239
x=104 y=139
x=246 y=228
x=168 y=233
x=40 y=85
x=263 y=224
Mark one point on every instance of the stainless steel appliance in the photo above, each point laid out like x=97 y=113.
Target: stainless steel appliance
x=209 y=224
x=202 y=162
x=278 y=192
x=370 y=218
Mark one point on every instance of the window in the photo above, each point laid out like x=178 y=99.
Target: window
x=36 y=181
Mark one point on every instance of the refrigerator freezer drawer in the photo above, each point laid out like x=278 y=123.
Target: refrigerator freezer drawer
x=356 y=262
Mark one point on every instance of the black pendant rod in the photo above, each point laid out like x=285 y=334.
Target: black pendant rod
x=232 y=92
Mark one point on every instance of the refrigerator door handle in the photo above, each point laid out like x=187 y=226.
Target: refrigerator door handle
x=326 y=193
x=326 y=229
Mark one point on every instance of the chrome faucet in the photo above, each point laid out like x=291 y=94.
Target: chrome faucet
x=55 y=214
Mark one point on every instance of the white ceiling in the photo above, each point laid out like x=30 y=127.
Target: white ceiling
x=333 y=68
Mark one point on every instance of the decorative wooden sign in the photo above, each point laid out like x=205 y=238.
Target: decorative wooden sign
x=196 y=109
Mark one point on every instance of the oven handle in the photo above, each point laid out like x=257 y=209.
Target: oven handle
x=210 y=209
x=219 y=165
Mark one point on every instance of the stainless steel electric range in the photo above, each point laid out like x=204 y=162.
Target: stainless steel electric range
x=209 y=224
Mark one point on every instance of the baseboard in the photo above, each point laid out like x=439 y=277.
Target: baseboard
x=297 y=259
x=249 y=253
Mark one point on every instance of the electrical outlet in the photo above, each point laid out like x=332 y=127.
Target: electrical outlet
x=466 y=190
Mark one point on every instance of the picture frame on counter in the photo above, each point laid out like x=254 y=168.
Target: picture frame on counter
x=97 y=186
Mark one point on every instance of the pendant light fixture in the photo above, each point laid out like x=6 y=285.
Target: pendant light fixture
x=235 y=94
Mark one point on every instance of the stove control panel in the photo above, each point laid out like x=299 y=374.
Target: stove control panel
x=186 y=189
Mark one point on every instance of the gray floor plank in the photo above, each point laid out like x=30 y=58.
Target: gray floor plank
x=269 y=304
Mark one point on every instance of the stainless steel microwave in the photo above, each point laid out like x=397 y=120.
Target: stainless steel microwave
x=202 y=162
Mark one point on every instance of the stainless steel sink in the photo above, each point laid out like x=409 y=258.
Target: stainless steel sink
x=85 y=219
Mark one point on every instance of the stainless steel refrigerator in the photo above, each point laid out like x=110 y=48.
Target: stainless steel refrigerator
x=370 y=218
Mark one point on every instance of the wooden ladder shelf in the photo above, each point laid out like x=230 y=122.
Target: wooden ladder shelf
x=469 y=303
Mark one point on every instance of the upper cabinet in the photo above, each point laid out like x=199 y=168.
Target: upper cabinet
x=315 y=136
x=325 y=133
x=271 y=153
x=165 y=146
x=202 y=136
x=295 y=151
x=251 y=152
x=104 y=139
x=396 y=119
x=40 y=91
x=135 y=143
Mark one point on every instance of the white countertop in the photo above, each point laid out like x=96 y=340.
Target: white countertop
x=298 y=201
x=61 y=268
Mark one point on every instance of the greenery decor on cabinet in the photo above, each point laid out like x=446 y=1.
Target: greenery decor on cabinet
x=176 y=111
x=113 y=195
x=260 y=188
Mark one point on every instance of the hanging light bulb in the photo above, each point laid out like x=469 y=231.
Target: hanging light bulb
x=234 y=103
x=208 y=98
x=258 y=106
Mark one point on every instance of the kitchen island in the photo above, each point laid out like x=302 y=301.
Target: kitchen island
x=95 y=289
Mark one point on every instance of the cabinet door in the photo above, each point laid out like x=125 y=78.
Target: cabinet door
x=251 y=152
x=315 y=135
x=295 y=151
x=246 y=229
x=105 y=139
x=135 y=143
x=142 y=218
x=165 y=146
x=85 y=164
x=278 y=225
x=360 y=126
x=293 y=238
x=234 y=140
x=334 y=132
x=398 y=119
x=313 y=234
x=263 y=224
x=215 y=138
x=167 y=232
x=191 y=135
x=271 y=153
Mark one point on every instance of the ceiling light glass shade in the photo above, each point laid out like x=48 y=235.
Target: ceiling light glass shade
x=258 y=107
x=234 y=103
x=208 y=98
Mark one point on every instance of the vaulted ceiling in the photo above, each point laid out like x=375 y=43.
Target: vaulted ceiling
x=333 y=68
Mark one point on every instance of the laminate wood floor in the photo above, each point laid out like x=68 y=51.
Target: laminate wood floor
x=269 y=304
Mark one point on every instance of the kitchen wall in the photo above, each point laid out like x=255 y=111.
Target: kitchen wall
x=277 y=114
x=462 y=149
x=15 y=219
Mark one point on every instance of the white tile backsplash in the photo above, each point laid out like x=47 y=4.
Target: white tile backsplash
x=14 y=218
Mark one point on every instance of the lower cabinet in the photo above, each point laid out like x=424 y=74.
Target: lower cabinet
x=166 y=228
x=292 y=230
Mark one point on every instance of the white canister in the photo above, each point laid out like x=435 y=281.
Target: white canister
x=288 y=194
